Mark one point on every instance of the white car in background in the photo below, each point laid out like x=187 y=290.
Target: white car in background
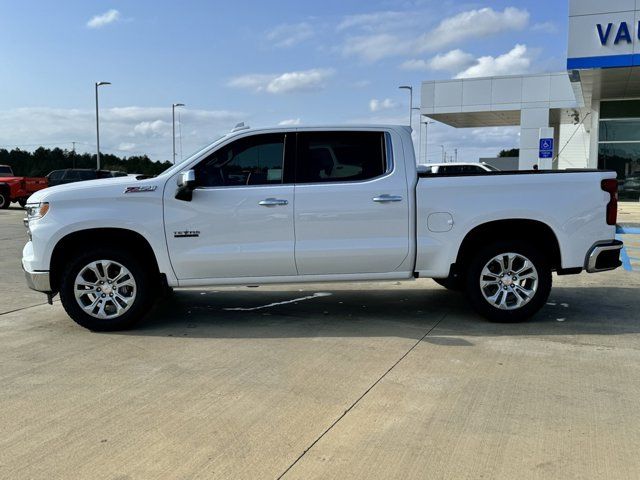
x=455 y=168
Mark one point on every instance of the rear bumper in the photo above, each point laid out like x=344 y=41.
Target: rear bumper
x=38 y=281
x=604 y=256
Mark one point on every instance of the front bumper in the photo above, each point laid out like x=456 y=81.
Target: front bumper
x=604 y=256
x=38 y=281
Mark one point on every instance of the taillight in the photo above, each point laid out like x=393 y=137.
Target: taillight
x=611 y=187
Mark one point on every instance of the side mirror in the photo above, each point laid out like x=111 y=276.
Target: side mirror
x=186 y=184
x=187 y=179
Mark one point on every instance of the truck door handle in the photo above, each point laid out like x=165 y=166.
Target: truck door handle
x=273 y=202
x=387 y=198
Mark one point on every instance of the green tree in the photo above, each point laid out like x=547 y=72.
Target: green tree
x=43 y=160
x=512 y=152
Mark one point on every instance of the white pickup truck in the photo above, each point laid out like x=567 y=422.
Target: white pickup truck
x=325 y=204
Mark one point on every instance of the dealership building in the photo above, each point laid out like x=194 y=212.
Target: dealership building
x=591 y=111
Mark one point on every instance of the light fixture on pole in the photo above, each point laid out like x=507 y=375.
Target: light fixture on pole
x=98 y=84
x=410 y=88
x=173 y=117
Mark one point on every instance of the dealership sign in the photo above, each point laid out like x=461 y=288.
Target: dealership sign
x=603 y=39
x=622 y=33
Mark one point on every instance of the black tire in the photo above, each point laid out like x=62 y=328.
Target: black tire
x=145 y=292
x=4 y=199
x=527 y=310
x=455 y=284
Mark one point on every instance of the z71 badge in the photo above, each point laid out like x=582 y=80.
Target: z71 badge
x=148 y=188
x=186 y=234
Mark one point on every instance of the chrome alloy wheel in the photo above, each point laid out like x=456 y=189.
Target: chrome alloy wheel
x=105 y=289
x=509 y=281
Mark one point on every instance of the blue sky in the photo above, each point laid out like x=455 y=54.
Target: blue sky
x=259 y=62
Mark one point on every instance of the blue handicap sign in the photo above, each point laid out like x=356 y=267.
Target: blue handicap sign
x=546 y=144
x=546 y=148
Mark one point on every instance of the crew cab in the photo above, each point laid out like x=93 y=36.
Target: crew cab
x=17 y=189
x=272 y=206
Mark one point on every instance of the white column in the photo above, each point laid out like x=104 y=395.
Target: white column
x=595 y=133
x=531 y=121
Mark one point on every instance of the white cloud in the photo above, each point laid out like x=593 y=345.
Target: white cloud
x=289 y=122
x=155 y=129
x=514 y=62
x=289 y=35
x=452 y=61
x=123 y=131
x=290 y=82
x=474 y=24
x=376 y=105
x=380 y=35
x=98 y=21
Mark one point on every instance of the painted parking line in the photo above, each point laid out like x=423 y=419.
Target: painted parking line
x=630 y=254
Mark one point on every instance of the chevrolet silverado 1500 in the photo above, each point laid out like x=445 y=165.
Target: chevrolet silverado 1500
x=290 y=205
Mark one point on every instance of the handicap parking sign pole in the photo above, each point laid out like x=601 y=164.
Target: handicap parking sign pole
x=546 y=148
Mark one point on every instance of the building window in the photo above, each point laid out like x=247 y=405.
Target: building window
x=619 y=144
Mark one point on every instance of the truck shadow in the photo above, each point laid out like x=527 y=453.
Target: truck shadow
x=410 y=313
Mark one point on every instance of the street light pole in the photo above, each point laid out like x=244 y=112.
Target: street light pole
x=98 y=126
x=173 y=117
x=419 y=136
x=426 y=141
x=410 y=88
x=444 y=158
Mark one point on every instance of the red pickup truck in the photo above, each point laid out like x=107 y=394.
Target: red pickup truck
x=18 y=189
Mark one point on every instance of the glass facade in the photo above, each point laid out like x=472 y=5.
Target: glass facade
x=619 y=144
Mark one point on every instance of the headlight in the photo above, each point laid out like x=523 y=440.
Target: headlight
x=36 y=210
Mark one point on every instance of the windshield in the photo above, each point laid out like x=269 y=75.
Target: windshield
x=5 y=170
x=491 y=167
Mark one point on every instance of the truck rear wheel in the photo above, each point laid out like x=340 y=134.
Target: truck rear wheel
x=106 y=290
x=508 y=281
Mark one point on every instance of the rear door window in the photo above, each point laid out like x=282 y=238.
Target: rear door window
x=340 y=156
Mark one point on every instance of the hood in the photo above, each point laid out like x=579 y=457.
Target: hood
x=105 y=187
x=10 y=179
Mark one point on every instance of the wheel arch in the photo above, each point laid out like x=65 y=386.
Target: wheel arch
x=76 y=241
x=535 y=232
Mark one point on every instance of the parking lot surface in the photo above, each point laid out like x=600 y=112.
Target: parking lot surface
x=398 y=380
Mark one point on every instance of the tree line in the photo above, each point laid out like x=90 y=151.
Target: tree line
x=43 y=160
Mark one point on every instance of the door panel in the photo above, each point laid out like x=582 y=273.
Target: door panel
x=239 y=222
x=236 y=236
x=347 y=226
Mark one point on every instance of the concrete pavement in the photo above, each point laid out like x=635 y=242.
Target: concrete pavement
x=395 y=380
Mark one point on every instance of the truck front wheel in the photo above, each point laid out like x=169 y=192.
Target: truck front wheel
x=106 y=290
x=508 y=281
x=5 y=200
